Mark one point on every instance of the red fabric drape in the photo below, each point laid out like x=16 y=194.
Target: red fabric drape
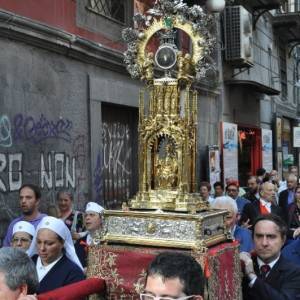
x=75 y=291
x=256 y=152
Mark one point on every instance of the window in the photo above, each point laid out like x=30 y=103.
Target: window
x=283 y=70
x=113 y=9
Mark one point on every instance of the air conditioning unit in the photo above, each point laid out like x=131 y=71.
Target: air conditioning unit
x=238 y=36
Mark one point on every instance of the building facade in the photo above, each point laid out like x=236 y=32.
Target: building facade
x=69 y=109
x=261 y=89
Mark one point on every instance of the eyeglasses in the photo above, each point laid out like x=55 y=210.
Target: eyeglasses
x=151 y=297
x=22 y=240
x=231 y=190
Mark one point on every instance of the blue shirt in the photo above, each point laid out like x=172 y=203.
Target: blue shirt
x=241 y=202
x=292 y=252
x=243 y=235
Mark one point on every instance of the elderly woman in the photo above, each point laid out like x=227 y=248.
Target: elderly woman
x=53 y=253
x=93 y=223
x=23 y=233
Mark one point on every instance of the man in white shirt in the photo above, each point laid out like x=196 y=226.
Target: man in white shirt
x=265 y=205
x=269 y=275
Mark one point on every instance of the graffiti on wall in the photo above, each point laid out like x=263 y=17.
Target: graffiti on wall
x=112 y=174
x=5 y=132
x=11 y=165
x=79 y=154
x=30 y=129
x=49 y=168
x=56 y=170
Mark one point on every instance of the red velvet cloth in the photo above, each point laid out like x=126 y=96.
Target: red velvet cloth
x=124 y=268
x=75 y=291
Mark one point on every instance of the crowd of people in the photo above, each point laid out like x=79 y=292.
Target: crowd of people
x=265 y=219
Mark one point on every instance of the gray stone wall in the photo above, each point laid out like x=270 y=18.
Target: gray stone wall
x=50 y=123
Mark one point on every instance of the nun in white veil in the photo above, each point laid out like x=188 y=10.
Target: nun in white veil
x=53 y=253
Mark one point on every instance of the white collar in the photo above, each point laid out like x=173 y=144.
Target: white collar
x=265 y=203
x=91 y=241
x=232 y=231
x=43 y=270
x=271 y=264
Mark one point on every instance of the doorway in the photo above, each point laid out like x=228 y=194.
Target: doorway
x=250 y=152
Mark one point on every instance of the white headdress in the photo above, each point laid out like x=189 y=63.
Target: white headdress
x=23 y=226
x=94 y=207
x=59 y=227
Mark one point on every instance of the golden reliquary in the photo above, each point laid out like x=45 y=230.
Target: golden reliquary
x=167 y=211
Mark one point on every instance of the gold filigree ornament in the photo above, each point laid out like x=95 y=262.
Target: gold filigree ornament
x=164 y=18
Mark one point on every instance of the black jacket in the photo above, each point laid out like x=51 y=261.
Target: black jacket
x=283 y=203
x=64 y=272
x=282 y=283
x=252 y=210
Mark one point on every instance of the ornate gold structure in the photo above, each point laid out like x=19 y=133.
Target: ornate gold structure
x=167 y=134
x=168 y=117
x=167 y=148
x=176 y=230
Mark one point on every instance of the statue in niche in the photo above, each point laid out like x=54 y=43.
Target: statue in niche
x=167 y=168
x=188 y=66
x=148 y=67
x=184 y=66
x=180 y=65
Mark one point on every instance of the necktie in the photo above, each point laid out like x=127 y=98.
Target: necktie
x=264 y=270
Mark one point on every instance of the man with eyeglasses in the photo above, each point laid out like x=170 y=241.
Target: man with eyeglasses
x=174 y=275
x=232 y=190
x=23 y=233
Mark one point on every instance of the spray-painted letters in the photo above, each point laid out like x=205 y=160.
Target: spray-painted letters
x=5 y=132
x=56 y=170
x=27 y=128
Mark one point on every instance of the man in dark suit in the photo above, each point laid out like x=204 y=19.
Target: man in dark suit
x=286 y=197
x=253 y=185
x=265 y=205
x=269 y=275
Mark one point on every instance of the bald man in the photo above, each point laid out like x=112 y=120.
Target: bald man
x=265 y=205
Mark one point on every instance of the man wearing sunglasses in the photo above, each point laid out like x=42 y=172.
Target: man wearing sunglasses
x=174 y=275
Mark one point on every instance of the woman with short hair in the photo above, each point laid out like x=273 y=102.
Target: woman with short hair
x=72 y=218
x=53 y=253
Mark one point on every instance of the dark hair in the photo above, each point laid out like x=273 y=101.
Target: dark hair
x=219 y=183
x=275 y=219
x=34 y=188
x=171 y=265
x=260 y=172
x=255 y=178
x=206 y=184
